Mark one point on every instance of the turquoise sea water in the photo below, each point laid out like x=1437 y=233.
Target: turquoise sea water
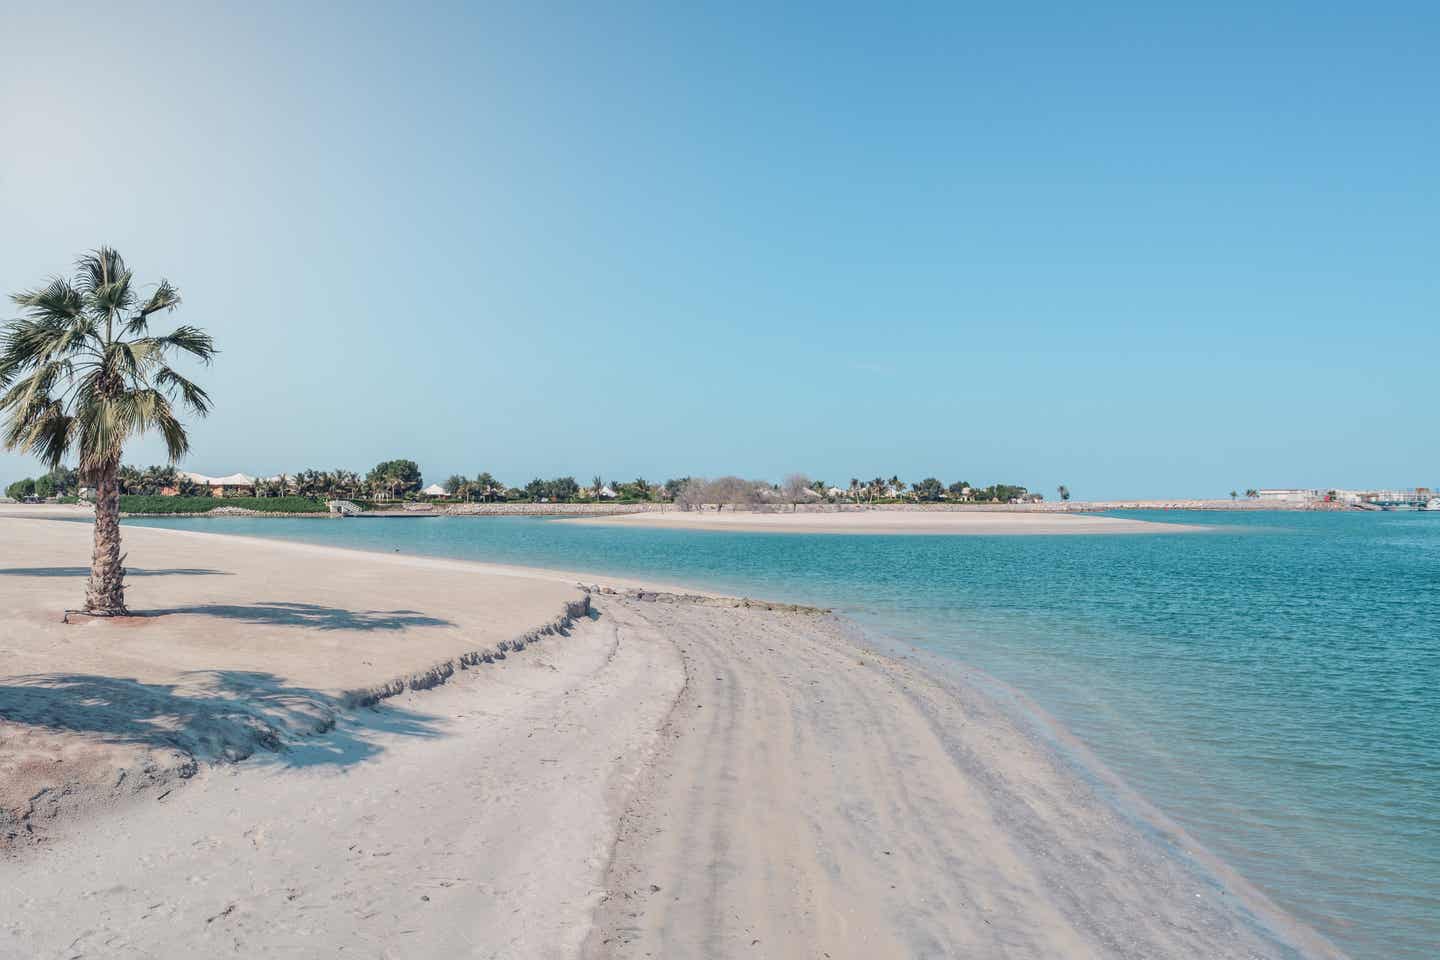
x=1273 y=686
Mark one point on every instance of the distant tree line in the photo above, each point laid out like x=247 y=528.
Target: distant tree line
x=401 y=479
x=60 y=482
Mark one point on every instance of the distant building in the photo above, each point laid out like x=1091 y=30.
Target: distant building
x=1392 y=497
x=1291 y=495
x=234 y=485
x=434 y=490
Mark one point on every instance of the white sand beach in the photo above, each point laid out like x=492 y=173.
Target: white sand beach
x=921 y=522
x=662 y=777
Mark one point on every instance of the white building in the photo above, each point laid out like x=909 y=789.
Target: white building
x=434 y=490
x=1291 y=495
x=220 y=486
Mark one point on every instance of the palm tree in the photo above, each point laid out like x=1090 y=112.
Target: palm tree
x=347 y=482
x=488 y=485
x=82 y=372
x=129 y=479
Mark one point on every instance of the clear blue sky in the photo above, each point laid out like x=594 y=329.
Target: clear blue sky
x=1135 y=250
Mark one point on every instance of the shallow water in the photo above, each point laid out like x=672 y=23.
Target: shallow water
x=1274 y=685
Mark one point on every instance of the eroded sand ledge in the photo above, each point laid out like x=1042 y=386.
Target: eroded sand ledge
x=237 y=645
x=673 y=778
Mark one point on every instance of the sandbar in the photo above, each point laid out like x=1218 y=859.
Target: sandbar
x=919 y=522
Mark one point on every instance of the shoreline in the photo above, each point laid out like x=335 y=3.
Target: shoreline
x=1068 y=749
x=968 y=696
x=765 y=517
x=1233 y=917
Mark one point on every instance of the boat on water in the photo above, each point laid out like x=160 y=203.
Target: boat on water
x=1431 y=505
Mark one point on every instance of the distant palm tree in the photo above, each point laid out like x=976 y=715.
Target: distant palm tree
x=1233 y=494
x=487 y=485
x=1252 y=493
x=81 y=372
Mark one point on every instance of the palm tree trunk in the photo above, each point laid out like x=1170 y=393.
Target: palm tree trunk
x=106 y=594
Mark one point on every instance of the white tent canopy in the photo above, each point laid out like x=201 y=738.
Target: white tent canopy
x=233 y=480
x=434 y=490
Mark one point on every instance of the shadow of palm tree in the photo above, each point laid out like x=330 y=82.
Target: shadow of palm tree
x=310 y=616
x=212 y=715
x=129 y=572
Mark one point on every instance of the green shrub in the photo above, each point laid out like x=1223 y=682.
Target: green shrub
x=138 y=503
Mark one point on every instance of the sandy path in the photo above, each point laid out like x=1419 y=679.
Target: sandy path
x=480 y=829
x=817 y=801
x=889 y=522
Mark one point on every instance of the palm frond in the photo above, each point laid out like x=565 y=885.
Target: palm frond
x=195 y=398
x=98 y=268
x=177 y=441
x=34 y=389
x=103 y=424
x=21 y=411
x=57 y=301
x=28 y=343
x=120 y=363
x=191 y=340
x=146 y=409
x=165 y=297
x=49 y=436
x=115 y=297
